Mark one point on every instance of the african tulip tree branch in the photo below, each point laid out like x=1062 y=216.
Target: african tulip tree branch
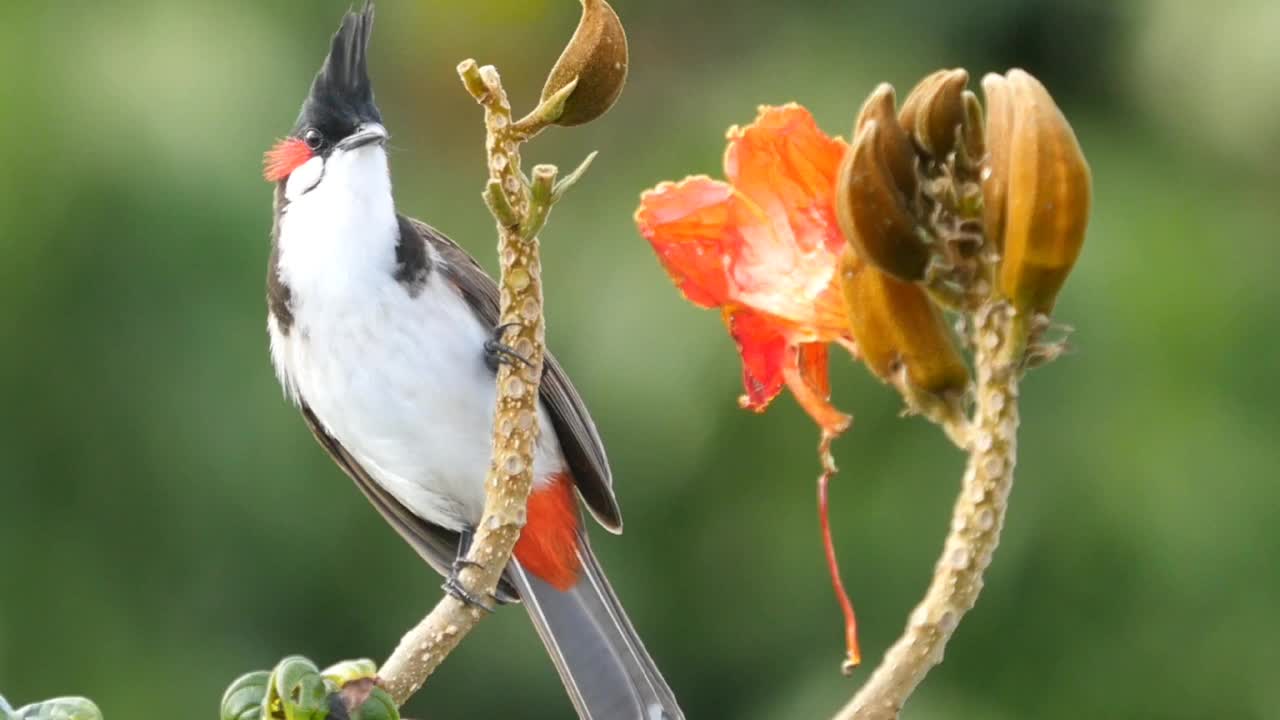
x=520 y=212
x=1000 y=337
x=1015 y=198
x=582 y=85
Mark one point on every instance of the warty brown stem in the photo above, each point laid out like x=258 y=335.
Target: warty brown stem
x=1000 y=337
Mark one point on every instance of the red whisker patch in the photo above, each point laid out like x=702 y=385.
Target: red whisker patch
x=287 y=155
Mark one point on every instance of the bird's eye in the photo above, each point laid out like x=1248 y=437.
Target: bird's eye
x=313 y=139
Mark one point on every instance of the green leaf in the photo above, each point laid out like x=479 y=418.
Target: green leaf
x=243 y=698
x=296 y=690
x=351 y=670
x=299 y=689
x=379 y=706
x=67 y=708
x=569 y=180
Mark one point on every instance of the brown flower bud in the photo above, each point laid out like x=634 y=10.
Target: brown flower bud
x=870 y=206
x=1047 y=198
x=975 y=139
x=995 y=169
x=597 y=56
x=897 y=328
x=895 y=146
x=934 y=112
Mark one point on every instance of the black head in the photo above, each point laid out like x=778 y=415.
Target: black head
x=341 y=98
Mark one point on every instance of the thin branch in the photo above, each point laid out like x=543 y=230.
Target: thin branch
x=515 y=426
x=1000 y=338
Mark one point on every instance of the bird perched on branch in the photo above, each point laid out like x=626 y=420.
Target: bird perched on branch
x=383 y=333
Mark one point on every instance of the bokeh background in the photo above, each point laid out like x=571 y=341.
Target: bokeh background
x=166 y=521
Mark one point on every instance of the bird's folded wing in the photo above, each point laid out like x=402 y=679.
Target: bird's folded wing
x=583 y=449
x=437 y=545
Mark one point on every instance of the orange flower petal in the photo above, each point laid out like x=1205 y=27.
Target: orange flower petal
x=805 y=374
x=787 y=166
x=813 y=367
x=694 y=226
x=764 y=248
x=764 y=350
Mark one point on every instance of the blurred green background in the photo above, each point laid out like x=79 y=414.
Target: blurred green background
x=168 y=523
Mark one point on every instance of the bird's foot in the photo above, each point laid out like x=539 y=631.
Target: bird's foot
x=454 y=587
x=497 y=352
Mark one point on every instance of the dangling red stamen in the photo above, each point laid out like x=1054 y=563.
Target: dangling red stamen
x=853 y=654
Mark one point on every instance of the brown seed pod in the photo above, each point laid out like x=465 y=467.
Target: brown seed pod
x=934 y=111
x=873 y=212
x=995 y=169
x=897 y=326
x=1048 y=198
x=597 y=56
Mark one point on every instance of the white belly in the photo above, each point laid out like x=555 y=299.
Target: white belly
x=401 y=383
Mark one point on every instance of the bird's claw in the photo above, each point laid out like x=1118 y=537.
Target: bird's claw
x=497 y=352
x=466 y=597
x=453 y=585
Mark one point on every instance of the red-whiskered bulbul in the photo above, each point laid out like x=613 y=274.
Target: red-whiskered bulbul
x=382 y=332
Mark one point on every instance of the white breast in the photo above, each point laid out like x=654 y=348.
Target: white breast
x=398 y=380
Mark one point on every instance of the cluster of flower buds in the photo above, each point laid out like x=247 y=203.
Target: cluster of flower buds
x=945 y=210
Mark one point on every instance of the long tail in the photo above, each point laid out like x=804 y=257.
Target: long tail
x=604 y=666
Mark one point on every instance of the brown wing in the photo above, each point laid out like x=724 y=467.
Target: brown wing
x=582 y=447
x=437 y=545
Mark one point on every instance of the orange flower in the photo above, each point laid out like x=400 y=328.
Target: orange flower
x=764 y=249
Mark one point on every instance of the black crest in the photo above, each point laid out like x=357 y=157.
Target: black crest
x=341 y=96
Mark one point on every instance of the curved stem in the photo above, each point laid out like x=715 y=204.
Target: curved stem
x=515 y=425
x=1000 y=338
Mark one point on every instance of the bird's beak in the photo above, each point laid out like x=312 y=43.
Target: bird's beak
x=366 y=135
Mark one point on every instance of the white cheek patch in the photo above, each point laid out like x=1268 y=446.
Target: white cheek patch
x=304 y=178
